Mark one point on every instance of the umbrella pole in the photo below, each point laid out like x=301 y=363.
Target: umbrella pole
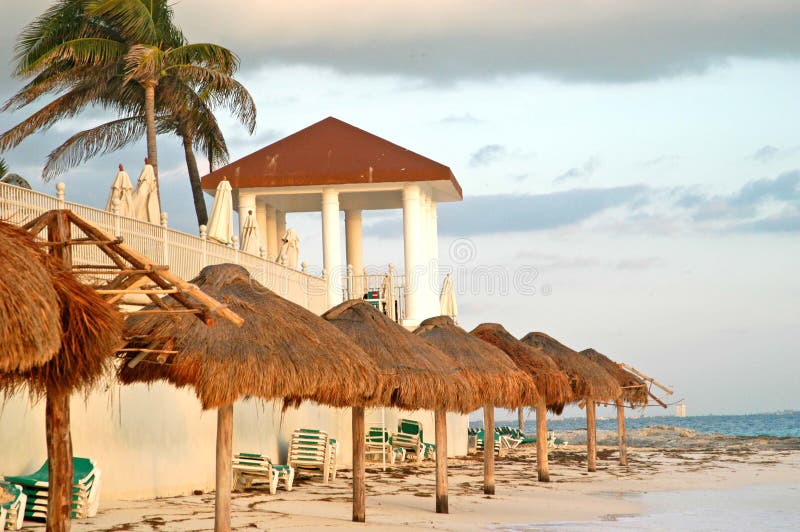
x=359 y=488
x=488 y=449
x=623 y=438
x=521 y=419
x=383 y=428
x=542 y=467
x=59 y=454
x=222 y=499
x=440 y=422
x=591 y=436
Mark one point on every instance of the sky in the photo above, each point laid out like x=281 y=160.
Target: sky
x=631 y=169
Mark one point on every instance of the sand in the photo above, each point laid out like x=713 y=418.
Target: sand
x=667 y=459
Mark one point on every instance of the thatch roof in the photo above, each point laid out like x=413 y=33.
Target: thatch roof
x=91 y=333
x=634 y=389
x=587 y=379
x=30 y=329
x=502 y=383
x=550 y=381
x=415 y=375
x=282 y=350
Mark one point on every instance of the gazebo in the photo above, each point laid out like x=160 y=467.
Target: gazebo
x=332 y=166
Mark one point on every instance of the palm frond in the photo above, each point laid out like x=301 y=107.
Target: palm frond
x=100 y=140
x=131 y=17
x=84 y=52
x=143 y=63
x=204 y=54
x=62 y=21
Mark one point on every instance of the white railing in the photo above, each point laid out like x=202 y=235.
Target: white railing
x=185 y=254
x=386 y=291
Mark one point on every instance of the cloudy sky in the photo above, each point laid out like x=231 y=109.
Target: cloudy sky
x=631 y=168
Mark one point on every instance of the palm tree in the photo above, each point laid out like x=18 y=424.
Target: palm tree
x=3 y=167
x=116 y=53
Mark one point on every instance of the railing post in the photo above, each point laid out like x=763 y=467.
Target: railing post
x=61 y=188
x=390 y=296
x=164 y=236
x=235 y=244
x=349 y=288
x=204 y=238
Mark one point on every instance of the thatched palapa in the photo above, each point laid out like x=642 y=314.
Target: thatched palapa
x=415 y=375
x=282 y=350
x=30 y=328
x=588 y=381
x=501 y=382
x=550 y=381
x=633 y=389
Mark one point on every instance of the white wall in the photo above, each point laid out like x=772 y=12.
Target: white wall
x=155 y=441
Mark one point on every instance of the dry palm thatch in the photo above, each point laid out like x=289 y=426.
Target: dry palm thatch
x=282 y=350
x=30 y=329
x=550 y=381
x=502 y=383
x=587 y=379
x=91 y=333
x=415 y=375
x=634 y=389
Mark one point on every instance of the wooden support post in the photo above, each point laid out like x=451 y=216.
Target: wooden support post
x=57 y=413
x=623 y=438
x=59 y=454
x=542 y=468
x=440 y=420
x=488 y=449
x=222 y=499
x=591 y=443
x=359 y=488
x=521 y=419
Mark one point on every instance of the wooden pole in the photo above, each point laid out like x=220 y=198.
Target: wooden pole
x=623 y=438
x=542 y=468
x=222 y=499
x=521 y=419
x=359 y=488
x=59 y=454
x=591 y=443
x=59 y=439
x=488 y=449
x=440 y=420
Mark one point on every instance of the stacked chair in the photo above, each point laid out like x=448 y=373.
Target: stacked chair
x=313 y=450
x=378 y=443
x=85 y=490
x=409 y=438
x=12 y=512
x=252 y=468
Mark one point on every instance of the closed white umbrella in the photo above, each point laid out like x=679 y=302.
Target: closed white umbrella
x=122 y=190
x=220 y=224
x=447 y=300
x=249 y=240
x=145 y=199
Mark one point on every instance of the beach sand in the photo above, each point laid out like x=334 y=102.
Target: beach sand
x=665 y=459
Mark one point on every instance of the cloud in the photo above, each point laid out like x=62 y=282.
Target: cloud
x=745 y=203
x=768 y=153
x=663 y=160
x=487 y=155
x=552 y=261
x=466 y=118
x=585 y=170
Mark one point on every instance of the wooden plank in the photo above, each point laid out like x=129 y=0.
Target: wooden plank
x=488 y=449
x=591 y=437
x=542 y=467
x=646 y=378
x=359 y=487
x=440 y=420
x=222 y=498
x=521 y=419
x=621 y=436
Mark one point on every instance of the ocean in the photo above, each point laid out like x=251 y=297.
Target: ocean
x=776 y=424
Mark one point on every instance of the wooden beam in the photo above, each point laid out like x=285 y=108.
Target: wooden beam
x=646 y=378
x=621 y=436
x=521 y=419
x=488 y=449
x=359 y=487
x=591 y=437
x=440 y=421
x=222 y=498
x=542 y=467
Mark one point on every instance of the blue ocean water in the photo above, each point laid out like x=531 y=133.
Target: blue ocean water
x=776 y=424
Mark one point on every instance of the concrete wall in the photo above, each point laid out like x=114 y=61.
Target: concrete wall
x=155 y=441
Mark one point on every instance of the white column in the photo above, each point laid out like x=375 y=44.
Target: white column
x=272 y=233
x=425 y=256
x=280 y=224
x=355 y=249
x=411 y=229
x=331 y=245
x=261 y=220
x=434 y=236
x=246 y=203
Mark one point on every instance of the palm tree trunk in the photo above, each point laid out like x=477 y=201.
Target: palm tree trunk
x=194 y=180
x=150 y=117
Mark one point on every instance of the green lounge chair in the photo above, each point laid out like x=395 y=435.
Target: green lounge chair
x=251 y=468
x=312 y=449
x=12 y=513
x=378 y=442
x=409 y=438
